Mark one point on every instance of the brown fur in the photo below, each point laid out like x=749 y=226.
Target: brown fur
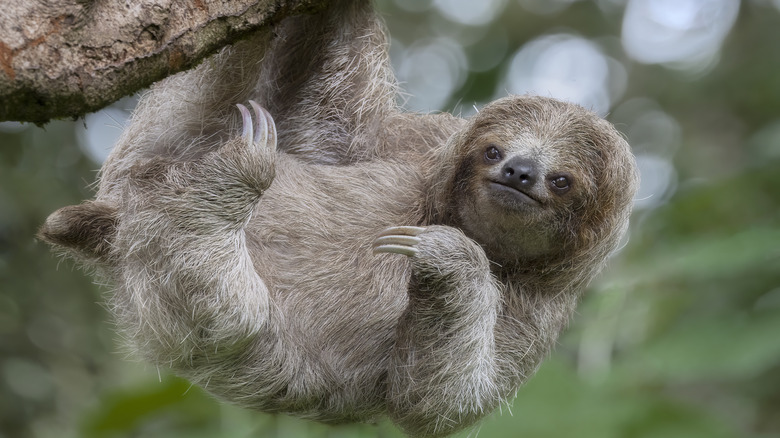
x=249 y=269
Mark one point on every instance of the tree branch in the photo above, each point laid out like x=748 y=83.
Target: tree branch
x=65 y=58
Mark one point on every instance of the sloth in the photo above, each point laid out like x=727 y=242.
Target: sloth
x=344 y=260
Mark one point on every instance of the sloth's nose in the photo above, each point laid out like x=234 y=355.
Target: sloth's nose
x=520 y=172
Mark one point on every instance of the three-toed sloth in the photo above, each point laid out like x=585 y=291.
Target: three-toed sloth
x=251 y=256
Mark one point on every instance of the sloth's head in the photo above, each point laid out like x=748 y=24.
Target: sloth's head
x=537 y=178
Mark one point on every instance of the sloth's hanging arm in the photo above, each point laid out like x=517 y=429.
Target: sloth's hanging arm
x=328 y=82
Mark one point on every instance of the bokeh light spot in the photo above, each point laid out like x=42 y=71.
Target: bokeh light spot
x=685 y=33
x=565 y=67
x=431 y=71
x=469 y=12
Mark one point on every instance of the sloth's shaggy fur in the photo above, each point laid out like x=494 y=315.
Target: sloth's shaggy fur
x=254 y=265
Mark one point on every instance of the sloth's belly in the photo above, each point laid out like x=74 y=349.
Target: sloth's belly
x=337 y=303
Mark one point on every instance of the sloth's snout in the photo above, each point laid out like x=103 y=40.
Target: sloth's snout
x=520 y=173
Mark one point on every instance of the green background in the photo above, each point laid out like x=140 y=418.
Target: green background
x=679 y=337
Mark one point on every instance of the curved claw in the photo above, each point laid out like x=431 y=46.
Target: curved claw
x=396 y=249
x=398 y=240
x=261 y=133
x=272 y=130
x=263 y=130
x=246 y=119
x=266 y=132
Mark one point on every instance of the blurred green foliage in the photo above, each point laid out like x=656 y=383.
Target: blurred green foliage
x=680 y=337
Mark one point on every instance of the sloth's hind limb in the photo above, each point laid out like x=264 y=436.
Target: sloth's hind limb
x=188 y=294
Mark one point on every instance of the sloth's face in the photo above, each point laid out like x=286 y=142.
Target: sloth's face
x=523 y=194
x=526 y=179
x=527 y=187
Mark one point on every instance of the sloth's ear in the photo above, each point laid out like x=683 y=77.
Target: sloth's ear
x=86 y=230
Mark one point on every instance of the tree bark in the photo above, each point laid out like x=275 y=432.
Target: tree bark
x=66 y=58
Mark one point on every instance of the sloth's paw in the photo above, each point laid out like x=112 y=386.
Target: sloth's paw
x=247 y=161
x=436 y=251
x=225 y=184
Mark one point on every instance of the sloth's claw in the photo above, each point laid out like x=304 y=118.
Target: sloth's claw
x=398 y=240
x=246 y=123
x=263 y=130
x=396 y=249
x=266 y=132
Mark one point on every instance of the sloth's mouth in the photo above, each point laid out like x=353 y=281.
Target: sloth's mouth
x=515 y=193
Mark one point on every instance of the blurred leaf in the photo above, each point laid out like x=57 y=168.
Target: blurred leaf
x=558 y=403
x=718 y=348
x=698 y=256
x=172 y=403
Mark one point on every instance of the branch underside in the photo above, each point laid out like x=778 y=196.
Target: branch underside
x=68 y=58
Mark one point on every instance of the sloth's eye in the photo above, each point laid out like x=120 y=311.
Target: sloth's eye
x=492 y=153
x=561 y=183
